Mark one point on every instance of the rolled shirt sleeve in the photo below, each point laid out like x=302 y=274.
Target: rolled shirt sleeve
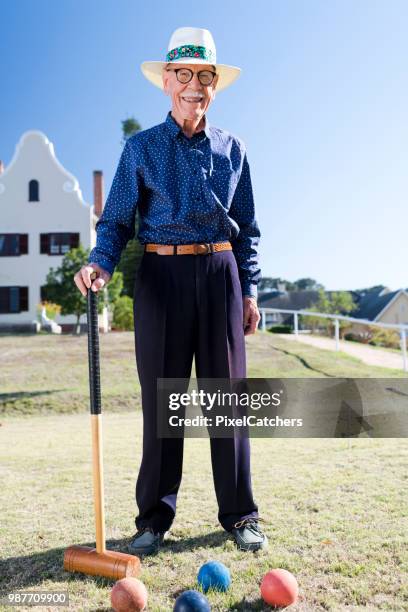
x=246 y=244
x=116 y=226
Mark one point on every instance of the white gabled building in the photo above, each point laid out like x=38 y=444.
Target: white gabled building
x=42 y=216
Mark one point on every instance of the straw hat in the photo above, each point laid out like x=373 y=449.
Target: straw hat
x=191 y=46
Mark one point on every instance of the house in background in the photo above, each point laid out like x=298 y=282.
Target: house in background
x=378 y=304
x=287 y=300
x=42 y=216
x=381 y=305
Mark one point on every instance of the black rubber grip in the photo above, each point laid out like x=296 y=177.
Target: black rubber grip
x=93 y=352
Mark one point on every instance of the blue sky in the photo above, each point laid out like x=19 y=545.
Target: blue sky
x=321 y=105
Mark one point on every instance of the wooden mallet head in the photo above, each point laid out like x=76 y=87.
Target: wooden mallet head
x=108 y=563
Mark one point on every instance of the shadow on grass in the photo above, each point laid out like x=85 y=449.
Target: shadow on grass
x=240 y=606
x=20 y=395
x=208 y=540
x=257 y=605
x=26 y=403
x=31 y=570
x=303 y=361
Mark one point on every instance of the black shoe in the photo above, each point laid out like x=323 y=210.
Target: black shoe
x=248 y=535
x=146 y=542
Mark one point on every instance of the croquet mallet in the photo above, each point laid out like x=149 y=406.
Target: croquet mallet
x=98 y=561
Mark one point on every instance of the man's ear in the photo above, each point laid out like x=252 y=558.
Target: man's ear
x=214 y=89
x=165 y=77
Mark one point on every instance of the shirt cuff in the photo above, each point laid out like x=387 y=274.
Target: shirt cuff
x=250 y=291
x=103 y=262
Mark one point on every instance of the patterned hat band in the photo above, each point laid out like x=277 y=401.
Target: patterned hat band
x=191 y=51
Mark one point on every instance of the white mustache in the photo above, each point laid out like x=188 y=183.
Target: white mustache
x=192 y=95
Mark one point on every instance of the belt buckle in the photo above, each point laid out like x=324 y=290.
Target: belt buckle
x=207 y=248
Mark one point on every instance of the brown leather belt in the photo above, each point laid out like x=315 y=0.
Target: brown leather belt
x=198 y=248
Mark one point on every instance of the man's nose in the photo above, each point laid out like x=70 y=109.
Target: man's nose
x=195 y=81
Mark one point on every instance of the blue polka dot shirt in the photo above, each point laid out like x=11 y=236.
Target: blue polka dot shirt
x=185 y=190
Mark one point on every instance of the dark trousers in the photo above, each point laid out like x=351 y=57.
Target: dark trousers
x=185 y=306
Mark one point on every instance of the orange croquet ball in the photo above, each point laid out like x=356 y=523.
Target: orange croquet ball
x=129 y=595
x=279 y=588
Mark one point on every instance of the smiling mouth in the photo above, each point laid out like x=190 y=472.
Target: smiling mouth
x=192 y=100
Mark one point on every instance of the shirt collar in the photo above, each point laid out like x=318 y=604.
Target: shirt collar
x=175 y=129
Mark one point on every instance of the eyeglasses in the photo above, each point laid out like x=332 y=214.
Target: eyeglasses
x=184 y=75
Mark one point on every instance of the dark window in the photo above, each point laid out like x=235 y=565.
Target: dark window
x=74 y=241
x=13 y=244
x=33 y=191
x=23 y=299
x=43 y=293
x=44 y=242
x=23 y=244
x=13 y=299
x=58 y=243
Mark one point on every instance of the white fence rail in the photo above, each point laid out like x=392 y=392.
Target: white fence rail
x=403 y=329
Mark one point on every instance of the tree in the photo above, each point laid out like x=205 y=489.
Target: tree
x=129 y=127
x=307 y=284
x=268 y=283
x=340 y=302
x=114 y=287
x=123 y=313
x=132 y=254
x=129 y=264
x=322 y=305
x=61 y=289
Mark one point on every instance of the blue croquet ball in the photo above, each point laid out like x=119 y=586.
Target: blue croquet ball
x=214 y=574
x=191 y=601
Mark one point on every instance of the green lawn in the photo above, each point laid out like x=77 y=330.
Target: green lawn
x=336 y=510
x=49 y=374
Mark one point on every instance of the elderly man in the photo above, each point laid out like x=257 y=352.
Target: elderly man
x=195 y=291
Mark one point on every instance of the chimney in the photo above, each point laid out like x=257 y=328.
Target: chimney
x=1 y=167
x=282 y=287
x=98 y=192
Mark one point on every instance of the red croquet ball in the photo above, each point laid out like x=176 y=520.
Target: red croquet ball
x=279 y=588
x=129 y=595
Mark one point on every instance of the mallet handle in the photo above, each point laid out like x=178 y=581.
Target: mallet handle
x=93 y=350
x=96 y=416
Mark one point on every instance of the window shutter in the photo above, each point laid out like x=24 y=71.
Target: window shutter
x=4 y=299
x=23 y=298
x=74 y=241
x=45 y=243
x=23 y=244
x=14 y=299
